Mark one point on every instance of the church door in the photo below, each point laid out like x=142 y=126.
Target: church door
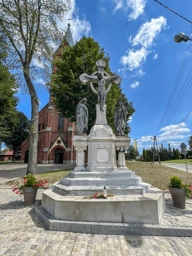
x=59 y=156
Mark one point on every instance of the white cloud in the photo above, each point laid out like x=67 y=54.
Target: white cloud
x=79 y=26
x=173 y=127
x=140 y=72
x=155 y=56
x=135 y=7
x=176 y=131
x=134 y=58
x=172 y=134
x=37 y=63
x=118 y=5
x=40 y=81
x=130 y=119
x=134 y=85
x=145 y=139
x=148 y=31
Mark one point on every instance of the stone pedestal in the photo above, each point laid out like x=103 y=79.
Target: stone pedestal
x=122 y=143
x=100 y=115
x=101 y=149
x=80 y=144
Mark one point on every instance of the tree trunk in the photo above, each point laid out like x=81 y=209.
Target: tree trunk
x=13 y=157
x=32 y=159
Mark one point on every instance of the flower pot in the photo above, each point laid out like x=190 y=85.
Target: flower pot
x=178 y=197
x=29 y=194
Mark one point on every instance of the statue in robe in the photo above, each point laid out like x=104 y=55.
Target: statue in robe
x=82 y=116
x=120 y=117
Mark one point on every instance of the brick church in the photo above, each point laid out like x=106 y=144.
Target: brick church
x=55 y=132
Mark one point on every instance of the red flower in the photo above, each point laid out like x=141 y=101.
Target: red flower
x=95 y=195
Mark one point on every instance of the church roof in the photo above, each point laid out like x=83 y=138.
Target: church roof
x=68 y=36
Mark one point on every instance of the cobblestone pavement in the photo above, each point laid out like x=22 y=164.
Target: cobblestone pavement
x=22 y=233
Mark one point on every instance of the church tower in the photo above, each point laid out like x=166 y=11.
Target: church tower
x=55 y=131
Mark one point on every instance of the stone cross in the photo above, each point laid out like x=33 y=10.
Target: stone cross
x=101 y=77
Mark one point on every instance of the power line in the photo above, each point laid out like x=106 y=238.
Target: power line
x=187 y=116
x=176 y=84
x=174 y=12
x=179 y=98
x=183 y=120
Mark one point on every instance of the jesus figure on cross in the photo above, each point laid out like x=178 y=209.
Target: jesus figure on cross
x=101 y=77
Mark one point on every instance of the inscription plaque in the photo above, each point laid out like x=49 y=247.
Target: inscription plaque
x=102 y=155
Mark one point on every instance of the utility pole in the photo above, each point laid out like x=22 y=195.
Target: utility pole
x=155 y=147
x=184 y=152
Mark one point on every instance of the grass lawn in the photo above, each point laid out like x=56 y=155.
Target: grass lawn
x=51 y=176
x=178 y=161
x=158 y=175
x=10 y=162
x=154 y=174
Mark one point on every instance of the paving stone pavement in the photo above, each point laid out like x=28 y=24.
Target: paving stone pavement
x=23 y=234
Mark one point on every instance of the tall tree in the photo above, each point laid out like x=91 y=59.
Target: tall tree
x=18 y=132
x=176 y=153
x=190 y=147
x=190 y=142
x=132 y=153
x=30 y=28
x=8 y=101
x=67 y=89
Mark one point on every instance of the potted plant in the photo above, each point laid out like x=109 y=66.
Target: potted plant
x=179 y=192
x=29 y=188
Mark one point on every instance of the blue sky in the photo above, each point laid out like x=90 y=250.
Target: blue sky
x=138 y=36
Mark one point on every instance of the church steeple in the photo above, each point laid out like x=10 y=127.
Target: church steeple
x=68 y=36
x=67 y=41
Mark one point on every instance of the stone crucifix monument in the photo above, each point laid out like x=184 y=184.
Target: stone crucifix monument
x=69 y=204
x=101 y=140
x=101 y=77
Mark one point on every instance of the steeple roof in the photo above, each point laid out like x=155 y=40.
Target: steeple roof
x=68 y=36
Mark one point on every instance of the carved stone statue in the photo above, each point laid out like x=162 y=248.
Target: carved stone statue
x=101 y=77
x=120 y=117
x=82 y=116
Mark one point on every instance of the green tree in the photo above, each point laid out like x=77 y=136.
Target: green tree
x=132 y=152
x=190 y=147
x=169 y=152
x=163 y=153
x=18 y=127
x=29 y=28
x=176 y=153
x=67 y=89
x=144 y=154
x=147 y=154
x=190 y=142
x=8 y=101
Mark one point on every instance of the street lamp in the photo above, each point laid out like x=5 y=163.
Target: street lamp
x=181 y=37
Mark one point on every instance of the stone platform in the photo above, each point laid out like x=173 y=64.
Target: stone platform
x=57 y=211
x=83 y=183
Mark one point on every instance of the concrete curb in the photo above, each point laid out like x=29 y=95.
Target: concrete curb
x=111 y=228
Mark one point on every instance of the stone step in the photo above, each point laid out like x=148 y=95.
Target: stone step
x=119 y=181
x=112 y=175
x=142 y=188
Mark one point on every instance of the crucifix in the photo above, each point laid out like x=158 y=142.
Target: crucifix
x=101 y=77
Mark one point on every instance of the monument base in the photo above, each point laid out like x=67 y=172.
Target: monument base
x=58 y=211
x=83 y=183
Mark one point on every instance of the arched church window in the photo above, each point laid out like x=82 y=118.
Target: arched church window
x=60 y=123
